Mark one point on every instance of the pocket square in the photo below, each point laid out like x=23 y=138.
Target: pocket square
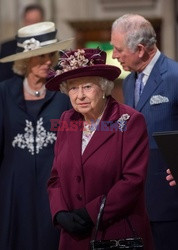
x=157 y=99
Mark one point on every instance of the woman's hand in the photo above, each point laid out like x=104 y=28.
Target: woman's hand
x=170 y=178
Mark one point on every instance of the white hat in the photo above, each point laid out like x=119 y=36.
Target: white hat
x=37 y=39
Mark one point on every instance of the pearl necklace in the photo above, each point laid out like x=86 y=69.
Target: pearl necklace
x=36 y=93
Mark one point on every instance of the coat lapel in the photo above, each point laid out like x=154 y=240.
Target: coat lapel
x=104 y=133
x=153 y=82
x=75 y=137
x=15 y=88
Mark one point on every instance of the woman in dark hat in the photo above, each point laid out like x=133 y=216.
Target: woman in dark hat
x=101 y=150
x=26 y=141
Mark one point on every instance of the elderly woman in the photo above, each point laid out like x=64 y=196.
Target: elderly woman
x=101 y=150
x=26 y=142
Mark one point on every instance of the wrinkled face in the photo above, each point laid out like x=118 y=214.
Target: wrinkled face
x=39 y=66
x=86 y=96
x=129 y=60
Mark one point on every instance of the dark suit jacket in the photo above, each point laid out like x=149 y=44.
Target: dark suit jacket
x=159 y=105
x=113 y=163
x=7 y=48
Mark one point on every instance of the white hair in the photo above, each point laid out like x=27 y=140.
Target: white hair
x=137 y=30
x=106 y=85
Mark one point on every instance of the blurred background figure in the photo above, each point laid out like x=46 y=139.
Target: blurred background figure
x=32 y=13
x=27 y=110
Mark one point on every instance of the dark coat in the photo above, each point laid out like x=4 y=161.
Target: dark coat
x=114 y=163
x=159 y=105
x=25 y=165
x=6 y=49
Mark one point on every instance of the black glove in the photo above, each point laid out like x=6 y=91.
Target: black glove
x=73 y=223
x=82 y=212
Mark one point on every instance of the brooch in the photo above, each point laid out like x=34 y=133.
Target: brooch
x=122 y=122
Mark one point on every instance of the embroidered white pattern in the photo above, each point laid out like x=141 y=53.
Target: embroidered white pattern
x=27 y=140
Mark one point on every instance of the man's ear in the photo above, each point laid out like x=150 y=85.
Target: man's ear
x=141 y=50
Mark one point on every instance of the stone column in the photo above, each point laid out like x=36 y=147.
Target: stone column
x=168 y=28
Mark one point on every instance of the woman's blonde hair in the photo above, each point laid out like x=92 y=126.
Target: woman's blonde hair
x=20 y=66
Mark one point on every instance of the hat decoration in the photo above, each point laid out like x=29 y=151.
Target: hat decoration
x=77 y=60
x=30 y=43
x=81 y=63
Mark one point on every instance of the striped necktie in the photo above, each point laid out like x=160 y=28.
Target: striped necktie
x=139 y=85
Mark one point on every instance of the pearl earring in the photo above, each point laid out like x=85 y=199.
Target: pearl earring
x=103 y=95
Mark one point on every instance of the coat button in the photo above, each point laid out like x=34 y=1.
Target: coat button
x=78 y=178
x=79 y=197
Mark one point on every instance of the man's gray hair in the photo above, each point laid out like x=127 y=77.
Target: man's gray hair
x=137 y=30
x=106 y=85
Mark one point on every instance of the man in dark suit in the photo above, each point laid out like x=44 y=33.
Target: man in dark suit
x=155 y=94
x=33 y=13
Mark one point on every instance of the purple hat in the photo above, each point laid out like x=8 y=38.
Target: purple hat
x=81 y=63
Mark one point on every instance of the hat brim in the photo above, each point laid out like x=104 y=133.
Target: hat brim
x=106 y=71
x=61 y=45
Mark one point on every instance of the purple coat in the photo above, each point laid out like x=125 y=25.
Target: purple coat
x=114 y=164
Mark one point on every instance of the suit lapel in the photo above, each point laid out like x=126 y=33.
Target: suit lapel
x=153 y=82
x=131 y=91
